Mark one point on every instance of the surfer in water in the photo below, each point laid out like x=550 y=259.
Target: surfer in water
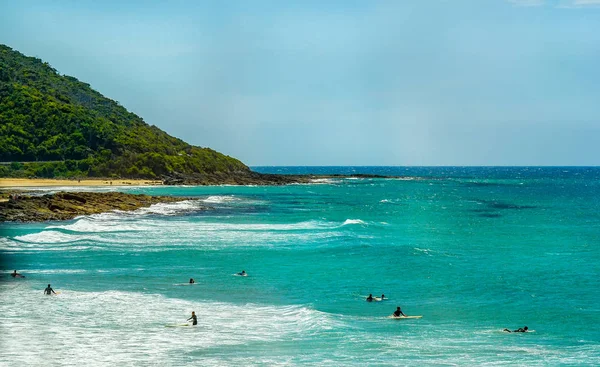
x=192 y=281
x=14 y=274
x=398 y=312
x=382 y=296
x=243 y=273
x=370 y=298
x=49 y=290
x=519 y=330
x=193 y=318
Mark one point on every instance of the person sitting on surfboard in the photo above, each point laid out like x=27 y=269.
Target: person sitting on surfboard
x=193 y=318
x=192 y=281
x=49 y=290
x=398 y=312
x=14 y=274
x=370 y=298
x=243 y=273
x=519 y=330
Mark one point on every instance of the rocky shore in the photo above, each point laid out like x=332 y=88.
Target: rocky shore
x=249 y=178
x=22 y=207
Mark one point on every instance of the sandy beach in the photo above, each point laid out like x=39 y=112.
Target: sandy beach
x=37 y=182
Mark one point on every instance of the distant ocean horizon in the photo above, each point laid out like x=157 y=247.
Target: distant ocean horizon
x=436 y=171
x=473 y=250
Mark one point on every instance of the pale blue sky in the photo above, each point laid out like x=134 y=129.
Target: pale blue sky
x=492 y=82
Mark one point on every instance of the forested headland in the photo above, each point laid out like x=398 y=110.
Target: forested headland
x=53 y=125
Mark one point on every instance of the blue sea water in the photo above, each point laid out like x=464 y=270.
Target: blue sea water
x=473 y=250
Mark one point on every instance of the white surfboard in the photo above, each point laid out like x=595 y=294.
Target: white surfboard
x=404 y=317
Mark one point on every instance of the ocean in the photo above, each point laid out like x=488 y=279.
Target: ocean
x=473 y=250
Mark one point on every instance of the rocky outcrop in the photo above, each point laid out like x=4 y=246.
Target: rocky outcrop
x=67 y=205
x=249 y=178
x=235 y=178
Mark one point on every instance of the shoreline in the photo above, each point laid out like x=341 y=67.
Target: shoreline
x=256 y=179
x=68 y=205
x=16 y=183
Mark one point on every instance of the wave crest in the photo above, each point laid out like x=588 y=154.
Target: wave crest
x=354 y=221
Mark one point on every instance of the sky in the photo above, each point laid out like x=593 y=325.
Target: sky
x=401 y=83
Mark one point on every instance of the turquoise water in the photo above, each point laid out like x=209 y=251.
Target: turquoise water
x=472 y=250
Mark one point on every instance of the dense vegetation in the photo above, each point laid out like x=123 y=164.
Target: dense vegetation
x=63 y=128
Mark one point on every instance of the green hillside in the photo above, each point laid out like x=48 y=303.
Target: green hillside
x=64 y=128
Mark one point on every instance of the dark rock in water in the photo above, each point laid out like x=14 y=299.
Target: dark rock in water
x=250 y=178
x=237 y=178
x=67 y=205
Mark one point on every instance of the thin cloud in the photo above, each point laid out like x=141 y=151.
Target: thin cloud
x=527 y=2
x=579 y=4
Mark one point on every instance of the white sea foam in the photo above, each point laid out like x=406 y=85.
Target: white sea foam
x=353 y=221
x=116 y=328
x=426 y=251
x=390 y=201
x=97 y=225
x=55 y=237
x=171 y=208
x=50 y=271
x=111 y=231
x=117 y=221
x=322 y=181
x=403 y=178
x=217 y=199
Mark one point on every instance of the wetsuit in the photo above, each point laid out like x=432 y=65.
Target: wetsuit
x=195 y=320
x=49 y=291
x=397 y=313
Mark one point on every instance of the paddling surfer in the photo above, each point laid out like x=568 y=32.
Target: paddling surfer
x=193 y=318
x=370 y=298
x=398 y=312
x=243 y=273
x=49 y=290
x=14 y=274
x=519 y=330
